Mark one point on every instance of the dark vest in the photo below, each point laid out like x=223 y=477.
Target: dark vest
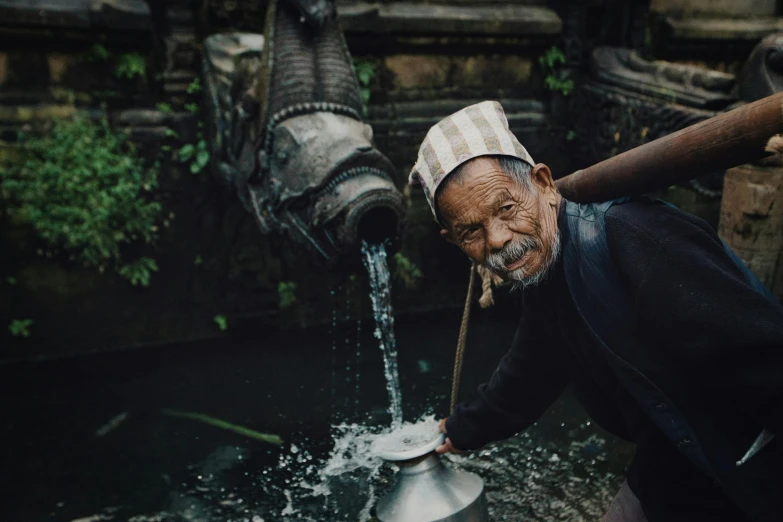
x=606 y=307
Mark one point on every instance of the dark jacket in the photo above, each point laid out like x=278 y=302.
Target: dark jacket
x=669 y=343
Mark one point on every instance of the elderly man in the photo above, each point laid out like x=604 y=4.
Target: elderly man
x=664 y=336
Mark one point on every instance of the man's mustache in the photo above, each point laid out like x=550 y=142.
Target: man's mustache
x=511 y=252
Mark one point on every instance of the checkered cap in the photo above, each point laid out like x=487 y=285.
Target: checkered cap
x=478 y=130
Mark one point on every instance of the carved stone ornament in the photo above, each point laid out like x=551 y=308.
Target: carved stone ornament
x=289 y=135
x=671 y=82
x=762 y=74
x=629 y=101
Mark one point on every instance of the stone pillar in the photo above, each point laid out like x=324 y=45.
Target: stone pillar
x=751 y=221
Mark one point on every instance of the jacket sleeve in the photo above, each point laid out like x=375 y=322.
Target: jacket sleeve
x=528 y=379
x=723 y=337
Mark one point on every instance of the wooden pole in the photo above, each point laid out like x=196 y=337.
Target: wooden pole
x=725 y=141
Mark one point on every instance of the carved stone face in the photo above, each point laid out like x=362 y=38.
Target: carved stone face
x=326 y=172
x=501 y=224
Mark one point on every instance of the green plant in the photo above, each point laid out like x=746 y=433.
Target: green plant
x=406 y=271
x=286 y=292
x=365 y=73
x=194 y=87
x=550 y=62
x=571 y=135
x=165 y=108
x=191 y=107
x=221 y=321
x=20 y=327
x=97 y=53
x=10 y=280
x=130 y=65
x=87 y=194
x=139 y=271
x=198 y=155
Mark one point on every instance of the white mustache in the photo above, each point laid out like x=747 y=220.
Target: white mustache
x=511 y=252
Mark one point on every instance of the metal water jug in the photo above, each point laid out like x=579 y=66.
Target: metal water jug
x=428 y=491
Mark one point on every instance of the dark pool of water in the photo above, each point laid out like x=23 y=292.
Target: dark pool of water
x=57 y=464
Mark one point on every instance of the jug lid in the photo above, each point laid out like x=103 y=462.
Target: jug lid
x=395 y=455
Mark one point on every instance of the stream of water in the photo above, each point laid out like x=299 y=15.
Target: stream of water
x=375 y=261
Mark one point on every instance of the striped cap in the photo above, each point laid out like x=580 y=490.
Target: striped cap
x=478 y=130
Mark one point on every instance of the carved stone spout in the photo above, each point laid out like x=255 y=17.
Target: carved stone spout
x=289 y=136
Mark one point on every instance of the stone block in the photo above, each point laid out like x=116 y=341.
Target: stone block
x=29 y=114
x=82 y=14
x=27 y=70
x=746 y=8
x=142 y=118
x=417 y=72
x=751 y=221
x=58 y=66
x=747 y=29
x=435 y=76
x=3 y=68
x=498 y=70
x=417 y=18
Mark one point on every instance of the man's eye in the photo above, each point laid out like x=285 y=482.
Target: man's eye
x=507 y=207
x=470 y=234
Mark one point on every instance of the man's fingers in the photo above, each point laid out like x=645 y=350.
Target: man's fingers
x=447 y=447
x=442 y=426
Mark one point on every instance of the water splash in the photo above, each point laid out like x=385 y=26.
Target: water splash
x=374 y=257
x=407 y=437
x=353 y=471
x=533 y=476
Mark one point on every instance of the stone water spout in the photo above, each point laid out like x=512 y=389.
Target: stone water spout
x=288 y=132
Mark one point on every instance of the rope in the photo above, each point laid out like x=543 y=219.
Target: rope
x=463 y=335
x=775 y=144
x=488 y=280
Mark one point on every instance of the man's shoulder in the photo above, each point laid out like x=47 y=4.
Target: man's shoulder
x=657 y=220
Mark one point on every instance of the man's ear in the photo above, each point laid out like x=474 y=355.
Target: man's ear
x=445 y=234
x=542 y=177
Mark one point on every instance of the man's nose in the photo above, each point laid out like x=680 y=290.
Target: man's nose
x=497 y=237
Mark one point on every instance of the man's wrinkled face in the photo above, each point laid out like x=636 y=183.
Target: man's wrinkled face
x=500 y=223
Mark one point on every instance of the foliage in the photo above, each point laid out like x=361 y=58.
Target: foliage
x=221 y=321
x=165 y=108
x=87 y=194
x=191 y=107
x=194 y=87
x=550 y=62
x=571 y=135
x=126 y=66
x=139 y=271
x=130 y=65
x=10 y=280
x=406 y=271
x=20 y=327
x=286 y=292
x=198 y=155
x=365 y=74
x=552 y=58
x=97 y=53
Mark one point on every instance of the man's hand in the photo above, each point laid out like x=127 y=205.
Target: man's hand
x=446 y=447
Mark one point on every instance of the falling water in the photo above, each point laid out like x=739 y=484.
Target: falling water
x=380 y=294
